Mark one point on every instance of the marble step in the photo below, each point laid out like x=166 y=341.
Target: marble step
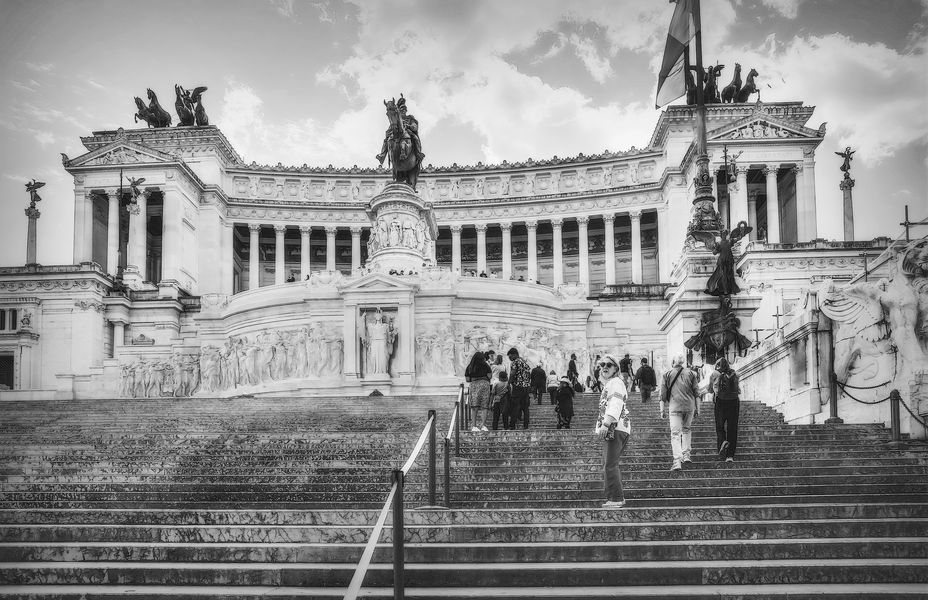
x=870 y=547
x=491 y=574
x=412 y=516
x=811 y=591
x=600 y=531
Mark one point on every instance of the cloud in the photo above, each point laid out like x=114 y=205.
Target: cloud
x=26 y=87
x=786 y=8
x=595 y=62
x=284 y=7
x=40 y=67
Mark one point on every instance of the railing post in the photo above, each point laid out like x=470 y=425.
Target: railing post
x=457 y=427
x=432 y=459
x=894 y=400
x=399 y=571
x=447 y=474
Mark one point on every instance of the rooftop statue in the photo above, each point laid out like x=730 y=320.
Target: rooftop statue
x=710 y=92
x=749 y=88
x=152 y=114
x=189 y=106
x=34 y=197
x=722 y=281
x=730 y=91
x=847 y=155
x=401 y=143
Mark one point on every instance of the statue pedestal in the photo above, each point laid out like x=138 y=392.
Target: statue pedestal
x=688 y=301
x=403 y=233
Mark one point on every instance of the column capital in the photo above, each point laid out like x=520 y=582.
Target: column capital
x=770 y=169
x=331 y=229
x=305 y=229
x=254 y=227
x=608 y=218
x=531 y=224
x=583 y=220
x=505 y=226
x=280 y=229
x=752 y=195
x=635 y=215
x=356 y=229
x=456 y=228
x=481 y=227
x=557 y=223
x=797 y=169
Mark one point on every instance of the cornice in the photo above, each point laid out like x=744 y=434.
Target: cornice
x=177 y=138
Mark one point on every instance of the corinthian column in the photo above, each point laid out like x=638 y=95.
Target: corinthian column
x=739 y=201
x=583 y=231
x=456 y=249
x=254 y=231
x=304 y=251
x=532 y=227
x=808 y=198
x=557 y=244
x=79 y=198
x=507 y=249
x=481 y=247
x=330 y=231
x=279 y=232
x=112 y=235
x=355 y=247
x=773 y=205
x=138 y=235
x=635 y=216
x=609 y=243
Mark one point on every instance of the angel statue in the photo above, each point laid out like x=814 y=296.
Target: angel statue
x=847 y=155
x=722 y=281
x=134 y=191
x=34 y=197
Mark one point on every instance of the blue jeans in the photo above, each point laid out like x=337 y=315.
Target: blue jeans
x=614 y=449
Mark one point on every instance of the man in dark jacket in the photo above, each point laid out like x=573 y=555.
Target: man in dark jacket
x=646 y=379
x=520 y=382
x=539 y=382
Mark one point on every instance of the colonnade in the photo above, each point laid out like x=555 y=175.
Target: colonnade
x=280 y=231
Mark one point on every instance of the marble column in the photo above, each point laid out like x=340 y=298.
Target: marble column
x=119 y=335
x=171 y=239
x=557 y=244
x=138 y=235
x=583 y=231
x=112 y=235
x=507 y=249
x=350 y=365
x=723 y=203
x=456 y=249
x=609 y=244
x=532 y=227
x=663 y=244
x=481 y=248
x=752 y=214
x=355 y=247
x=254 y=232
x=227 y=283
x=809 y=215
x=635 y=216
x=79 y=196
x=773 y=205
x=739 y=200
x=280 y=231
x=304 y=251
x=846 y=185
x=800 y=198
x=88 y=227
x=330 y=231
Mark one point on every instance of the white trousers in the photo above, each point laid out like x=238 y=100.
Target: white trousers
x=681 y=435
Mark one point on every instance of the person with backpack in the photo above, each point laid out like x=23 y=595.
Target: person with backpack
x=646 y=379
x=539 y=383
x=499 y=400
x=565 y=404
x=678 y=398
x=724 y=384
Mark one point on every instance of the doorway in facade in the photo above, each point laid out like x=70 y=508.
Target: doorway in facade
x=6 y=371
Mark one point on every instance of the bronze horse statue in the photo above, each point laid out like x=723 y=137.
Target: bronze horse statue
x=183 y=106
x=730 y=92
x=404 y=163
x=710 y=94
x=749 y=88
x=152 y=114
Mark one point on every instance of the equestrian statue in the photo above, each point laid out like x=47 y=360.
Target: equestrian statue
x=749 y=88
x=730 y=91
x=189 y=106
x=152 y=114
x=402 y=144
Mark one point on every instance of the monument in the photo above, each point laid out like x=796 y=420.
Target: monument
x=32 y=212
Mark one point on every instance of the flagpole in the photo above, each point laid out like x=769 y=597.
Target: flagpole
x=700 y=100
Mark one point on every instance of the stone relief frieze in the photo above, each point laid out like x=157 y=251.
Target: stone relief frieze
x=177 y=376
x=881 y=337
x=53 y=285
x=759 y=130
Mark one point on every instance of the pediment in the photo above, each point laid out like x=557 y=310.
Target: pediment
x=763 y=126
x=380 y=282
x=118 y=153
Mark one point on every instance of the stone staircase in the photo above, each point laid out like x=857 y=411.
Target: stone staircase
x=274 y=497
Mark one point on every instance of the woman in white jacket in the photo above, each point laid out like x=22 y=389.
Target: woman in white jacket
x=613 y=427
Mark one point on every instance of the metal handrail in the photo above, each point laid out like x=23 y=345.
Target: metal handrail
x=396 y=499
x=454 y=428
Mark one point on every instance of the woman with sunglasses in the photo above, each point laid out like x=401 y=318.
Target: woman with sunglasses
x=613 y=427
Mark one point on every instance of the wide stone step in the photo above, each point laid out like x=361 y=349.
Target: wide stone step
x=901 y=547
x=628 y=573
x=811 y=591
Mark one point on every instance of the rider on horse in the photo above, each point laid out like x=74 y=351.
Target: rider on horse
x=412 y=126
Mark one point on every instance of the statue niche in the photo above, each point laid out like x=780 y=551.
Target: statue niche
x=378 y=340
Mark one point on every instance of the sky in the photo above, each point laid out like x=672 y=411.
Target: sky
x=296 y=82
